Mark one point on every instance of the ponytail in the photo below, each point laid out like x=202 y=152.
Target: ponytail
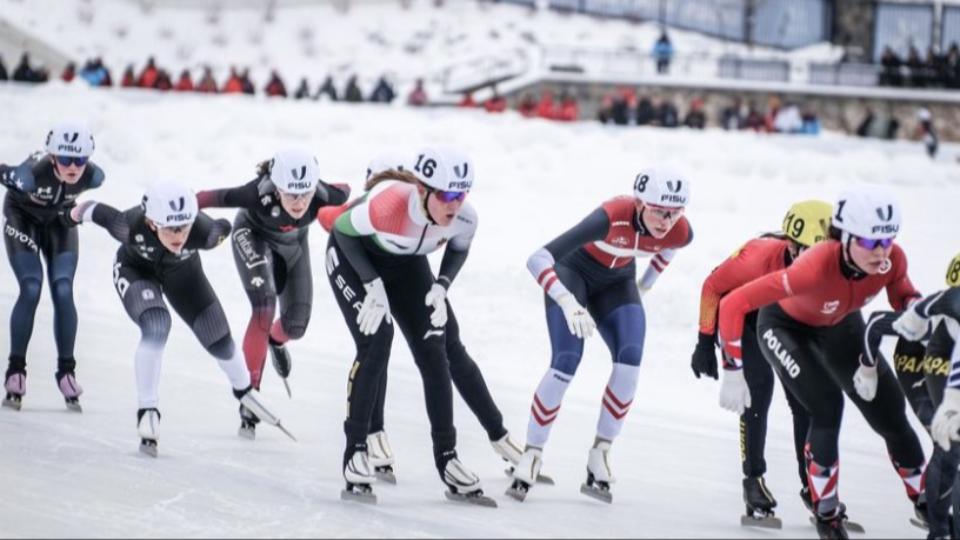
x=391 y=174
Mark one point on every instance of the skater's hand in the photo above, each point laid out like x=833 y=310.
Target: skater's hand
x=374 y=309
x=734 y=393
x=911 y=325
x=578 y=319
x=946 y=421
x=865 y=382
x=79 y=212
x=437 y=298
x=704 y=361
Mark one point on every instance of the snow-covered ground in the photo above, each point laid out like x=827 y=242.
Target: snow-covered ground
x=371 y=39
x=677 y=460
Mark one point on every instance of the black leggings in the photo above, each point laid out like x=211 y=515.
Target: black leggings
x=817 y=365
x=753 y=422
x=406 y=284
x=26 y=240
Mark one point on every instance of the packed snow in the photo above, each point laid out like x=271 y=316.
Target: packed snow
x=676 y=462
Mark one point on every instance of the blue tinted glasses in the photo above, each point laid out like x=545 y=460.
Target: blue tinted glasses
x=66 y=161
x=450 y=196
x=871 y=244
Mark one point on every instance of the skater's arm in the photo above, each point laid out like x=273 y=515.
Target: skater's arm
x=540 y=265
x=207 y=233
x=900 y=290
x=245 y=196
x=878 y=326
x=116 y=223
x=332 y=194
x=20 y=177
x=458 y=248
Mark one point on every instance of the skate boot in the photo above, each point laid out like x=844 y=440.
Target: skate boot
x=281 y=362
x=462 y=484
x=599 y=475
x=254 y=403
x=16 y=382
x=381 y=457
x=358 y=475
x=850 y=526
x=148 y=425
x=760 y=504
x=525 y=474
x=67 y=382
x=511 y=453
x=831 y=527
x=16 y=387
x=920 y=510
x=248 y=424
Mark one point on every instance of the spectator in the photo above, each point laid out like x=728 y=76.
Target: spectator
x=275 y=86
x=620 y=108
x=148 y=77
x=546 y=107
x=788 y=120
x=185 y=82
x=3 y=70
x=234 y=84
x=246 y=82
x=754 y=119
x=731 y=117
x=208 y=85
x=695 y=118
x=890 y=75
x=527 y=106
x=917 y=76
x=811 y=124
x=496 y=103
x=69 y=72
x=303 y=90
x=569 y=110
x=107 y=79
x=23 y=72
x=926 y=132
x=383 y=92
x=952 y=66
x=878 y=125
x=129 y=80
x=352 y=93
x=663 y=52
x=467 y=100
x=327 y=89
x=936 y=65
x=417 y=96
x=773 y=107
x=668 y=115
x=95 y=73
x=605 y=112
x=646 y=114
x=163 y=82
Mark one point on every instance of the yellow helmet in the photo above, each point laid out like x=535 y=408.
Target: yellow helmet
x=807 y=222
x=953 y=272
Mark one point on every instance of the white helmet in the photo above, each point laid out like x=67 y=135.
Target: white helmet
x=662 y=186
x=867 y=213
x=386 y=161
x=71 y=139
x=169 y=204
x=294 y=170
x=444 y=169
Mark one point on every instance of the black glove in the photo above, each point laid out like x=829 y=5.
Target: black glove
x=704 y=361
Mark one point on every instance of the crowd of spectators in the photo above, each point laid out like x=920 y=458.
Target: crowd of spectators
x=933 y=70
x=24 y=72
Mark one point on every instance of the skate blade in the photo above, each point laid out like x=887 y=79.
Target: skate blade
x=851 y=526
x=474 y=498
x=285 y=432
x=74 y=406
x=386 y=476
x=541 y=478
x=350 y=495
x=596 y=493
x=247 y=433
x=518 y=491
x=287 y=386
x=919 y=524
x=767 y=522
x=148 y=449
x=13 y=404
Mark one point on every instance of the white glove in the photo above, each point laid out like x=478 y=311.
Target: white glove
x=437 y=297
x=946 y=421
x=375 y=307
x=578 y=319
x=865 y=381
x=79 y=213
x=734 y=393
x=911 y=325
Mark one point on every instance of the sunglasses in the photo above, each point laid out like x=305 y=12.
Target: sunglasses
x=296 y=196
x=66 y=161
x=450 y=196
x=175 y=229
x=665 y=213
x=871 y=244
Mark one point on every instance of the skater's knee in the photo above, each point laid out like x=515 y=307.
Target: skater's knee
x=62 y=292
x=223 y=348
x=295 y=320
x=263 y=313
x=629 y=355
x=155 y=325
x=30 y=288
x=566 y=362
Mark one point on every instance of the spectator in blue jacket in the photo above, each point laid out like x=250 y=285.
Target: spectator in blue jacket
x=663 y=53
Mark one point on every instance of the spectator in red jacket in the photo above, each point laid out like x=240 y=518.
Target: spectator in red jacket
x=185 y=83
x=69 y=72
x=163 y=82
x=207 y=83
x=129 y=80
x=527 y=106
x=569 y=110
x=546 y=107
x=148 y=77
x=275 y=87
x=233 y=85
x=467 y=100
x=417 y=96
